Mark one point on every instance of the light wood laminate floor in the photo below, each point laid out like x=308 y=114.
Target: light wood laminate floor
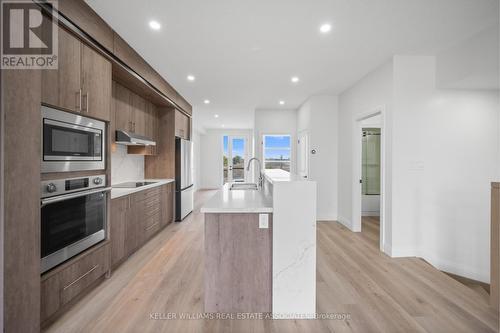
x=381 y=294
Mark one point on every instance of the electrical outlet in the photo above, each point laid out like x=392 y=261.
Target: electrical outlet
x=263 y=221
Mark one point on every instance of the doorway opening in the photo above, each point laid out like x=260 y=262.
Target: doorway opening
x=234 y=158
x=368 y=177
x=370 y=182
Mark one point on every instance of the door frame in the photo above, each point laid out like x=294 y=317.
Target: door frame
x=299 y=135
x=357 y=172
x=230 y=160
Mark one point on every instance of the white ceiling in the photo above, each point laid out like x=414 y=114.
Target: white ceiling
x=243 y=53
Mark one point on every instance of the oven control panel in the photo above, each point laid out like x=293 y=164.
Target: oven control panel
x=50 y=188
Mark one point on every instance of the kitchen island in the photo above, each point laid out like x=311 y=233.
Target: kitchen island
x=260 y=248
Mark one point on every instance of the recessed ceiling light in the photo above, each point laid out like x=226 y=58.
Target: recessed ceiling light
x=282 y=102
x=325 y=28
x=155 y=25
x=216 y=116
x=295 y=79
x=207 y=101
x=191 y=78
x=223 y=125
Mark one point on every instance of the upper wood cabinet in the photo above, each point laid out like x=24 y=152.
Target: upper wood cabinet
x=82 y=82
x=182 y=125
x=122 y=107
x=87 y=19
x=96 y=84
x=61 y=87
x=128 y=55
x=139 y=114
x=133 y=113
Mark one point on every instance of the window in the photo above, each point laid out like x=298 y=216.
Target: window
x=277 y=152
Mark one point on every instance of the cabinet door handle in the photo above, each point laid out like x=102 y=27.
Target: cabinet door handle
x=81 y=277
x=87 y=102
x=134 y=126
x=79 y=100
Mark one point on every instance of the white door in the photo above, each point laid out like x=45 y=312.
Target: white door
x=303 y=155
x=235 y=158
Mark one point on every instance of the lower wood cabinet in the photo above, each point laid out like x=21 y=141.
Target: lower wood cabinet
x=66 y=282
x=134 y=220
x=138 y=217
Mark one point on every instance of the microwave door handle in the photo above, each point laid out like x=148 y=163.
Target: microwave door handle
x=47 y=201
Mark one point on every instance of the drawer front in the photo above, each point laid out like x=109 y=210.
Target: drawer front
x=50 y=297
x=152 y=209
x=151 y=226
x=80 y=275
x=152 y=193
x=145 y=195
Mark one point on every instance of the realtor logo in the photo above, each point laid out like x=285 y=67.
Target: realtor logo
x=29 y=36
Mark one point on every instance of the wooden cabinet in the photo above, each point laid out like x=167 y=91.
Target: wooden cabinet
x=96 y=84
x=61 y=87
x=128 y=55
x=182 y=125
x=117 y=228
x=138 y=217
x=167 y=204
x=81 y=14
x=82 y=82
x=133 y=113
x=152 y=121
x=66 y=282
x=122 y=107
x=139 y=114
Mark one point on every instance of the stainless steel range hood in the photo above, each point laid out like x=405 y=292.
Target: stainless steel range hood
x=132 y=139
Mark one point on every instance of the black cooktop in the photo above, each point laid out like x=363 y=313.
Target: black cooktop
x=132 y=184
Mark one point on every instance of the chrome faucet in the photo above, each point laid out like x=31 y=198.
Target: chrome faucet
x=261 y=179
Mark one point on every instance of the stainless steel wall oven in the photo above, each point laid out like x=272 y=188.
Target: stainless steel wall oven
x=73 y=217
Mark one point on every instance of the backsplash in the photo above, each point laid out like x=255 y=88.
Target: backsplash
x=125 y=167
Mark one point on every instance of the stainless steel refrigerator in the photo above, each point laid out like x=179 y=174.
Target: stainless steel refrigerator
x=183 y=179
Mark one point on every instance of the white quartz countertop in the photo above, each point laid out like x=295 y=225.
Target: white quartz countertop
x=278 y=175
x=120 y=192
x=238 y=201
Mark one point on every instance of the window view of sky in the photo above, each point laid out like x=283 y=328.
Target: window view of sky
x=277 y=147
x=238 y=146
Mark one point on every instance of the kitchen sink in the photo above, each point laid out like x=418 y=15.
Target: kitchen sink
x=244 y=186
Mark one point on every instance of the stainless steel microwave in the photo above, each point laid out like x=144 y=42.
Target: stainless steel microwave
x=71 y=142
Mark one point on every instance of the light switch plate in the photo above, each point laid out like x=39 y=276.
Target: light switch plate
x=263 y=221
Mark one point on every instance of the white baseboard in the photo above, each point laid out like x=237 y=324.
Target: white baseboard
x=457 y=268
x=331 y=218
x=345 y=222
x=401 y=252
x=370 y=213
x=440 y=264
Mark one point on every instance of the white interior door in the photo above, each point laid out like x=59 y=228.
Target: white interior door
x=303 y=154
x=235 y=158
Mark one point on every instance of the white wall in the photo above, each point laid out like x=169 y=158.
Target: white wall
x=318 y=116
x=125 y=167
x=445 y=154
x=471 y=63
x=442 y=152
x=367 y=95
x=276 y=122
x=196 y=138
x=211 y=149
